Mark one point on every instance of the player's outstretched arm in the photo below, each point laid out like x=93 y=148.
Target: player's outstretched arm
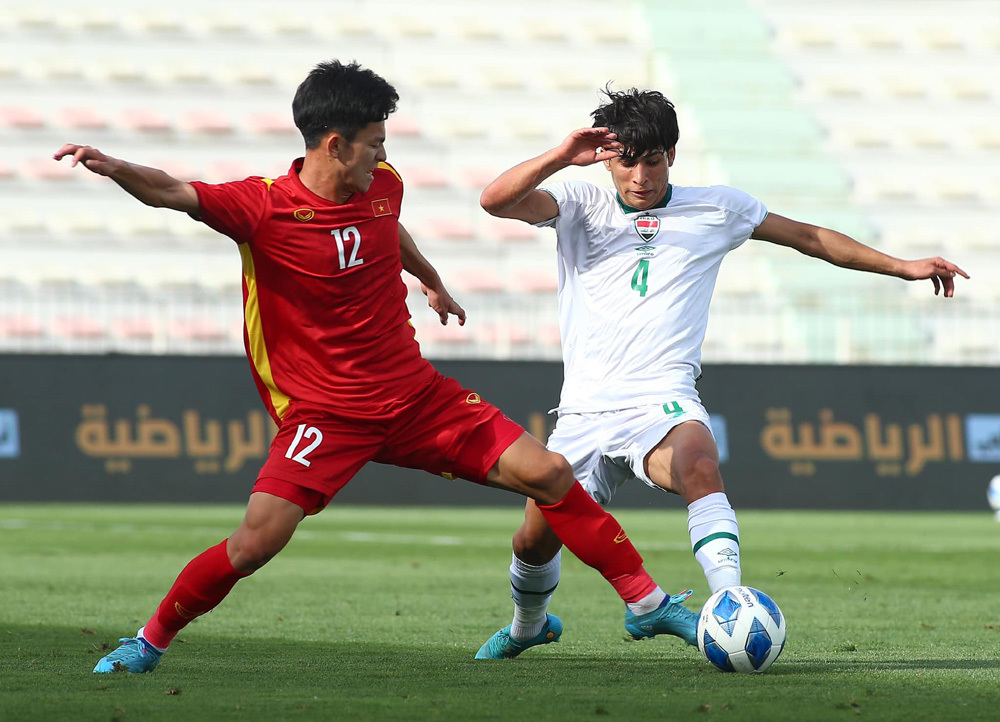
x=431 y=284
x=150 y=185
x=844 y=251
x=513 y=194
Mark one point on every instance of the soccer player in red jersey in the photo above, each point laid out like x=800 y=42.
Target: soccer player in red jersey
x=334 y=357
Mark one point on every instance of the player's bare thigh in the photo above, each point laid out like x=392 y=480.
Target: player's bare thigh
x=527 y=467
x=686 y=462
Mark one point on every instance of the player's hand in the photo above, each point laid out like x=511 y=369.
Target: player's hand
x=91 y=158
x=587 y=146
x=443 y=304
x=941 y=272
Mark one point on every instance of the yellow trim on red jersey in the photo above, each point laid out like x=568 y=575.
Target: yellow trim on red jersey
x=268 y=182
x=255 y=334
x=385 y=166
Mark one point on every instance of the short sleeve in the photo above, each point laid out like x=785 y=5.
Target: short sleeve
x=233 y=209
x=746 y=212
x=561 y=193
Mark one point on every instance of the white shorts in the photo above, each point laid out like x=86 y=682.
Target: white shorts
x=607 y=448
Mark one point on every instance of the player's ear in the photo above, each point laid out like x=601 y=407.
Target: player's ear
x=670 y=156
x=607 y=164
x=334 y=144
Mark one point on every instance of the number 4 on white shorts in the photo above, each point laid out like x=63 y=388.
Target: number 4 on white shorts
x=673 y=409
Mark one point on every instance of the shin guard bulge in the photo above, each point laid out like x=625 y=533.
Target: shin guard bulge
x=199 y=588
x=599 y=541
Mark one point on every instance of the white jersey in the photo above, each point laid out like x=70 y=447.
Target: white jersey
x=635 y=287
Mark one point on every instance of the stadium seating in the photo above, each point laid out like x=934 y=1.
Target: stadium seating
x=872 y=120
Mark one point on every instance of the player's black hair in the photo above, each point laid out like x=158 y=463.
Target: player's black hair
x=341 y=97
x=643 y=119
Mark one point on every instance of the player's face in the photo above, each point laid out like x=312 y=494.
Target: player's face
x=642 y=182
x=362 y=155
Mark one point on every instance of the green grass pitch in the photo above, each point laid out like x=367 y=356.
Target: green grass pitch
x=376 y=613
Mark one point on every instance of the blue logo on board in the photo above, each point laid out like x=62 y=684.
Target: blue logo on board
x=718 y=424
x=982 y=437
x=10 y=436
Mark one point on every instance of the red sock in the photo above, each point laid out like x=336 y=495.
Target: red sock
x=201 y=585
x=599 y=541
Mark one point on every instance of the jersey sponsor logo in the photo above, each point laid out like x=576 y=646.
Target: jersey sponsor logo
x=645 y=251
x=647 y=227
x=473 y=398
x=381 y=207
x=304 y=214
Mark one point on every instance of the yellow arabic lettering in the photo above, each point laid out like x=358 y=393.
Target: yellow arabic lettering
x=245 y=444
x=878 y=450
x=154 y=438
x=839 y=440
x=776 y=438
x=834 y=440
x=207 y=466
x=201 y=444
x=921 y=450
x=92 y=433
x=956 y=443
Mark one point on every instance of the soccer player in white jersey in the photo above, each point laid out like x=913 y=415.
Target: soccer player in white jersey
x=637 y=267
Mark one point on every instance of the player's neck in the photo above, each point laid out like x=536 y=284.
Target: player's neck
x=322 y=179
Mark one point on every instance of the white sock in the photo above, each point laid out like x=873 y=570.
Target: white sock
x=715 y=540
x=139 y=635
x=648 y=603
x=531 y=589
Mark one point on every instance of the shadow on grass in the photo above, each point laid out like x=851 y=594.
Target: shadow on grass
x=883 y=664
x=46 y=673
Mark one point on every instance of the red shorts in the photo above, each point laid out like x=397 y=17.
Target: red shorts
x=447 y=430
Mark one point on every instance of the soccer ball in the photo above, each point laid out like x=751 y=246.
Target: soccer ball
x=993 y=495
x=741 y=630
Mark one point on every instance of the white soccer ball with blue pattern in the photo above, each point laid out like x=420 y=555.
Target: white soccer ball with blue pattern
x=993 y=494
x=741 y=629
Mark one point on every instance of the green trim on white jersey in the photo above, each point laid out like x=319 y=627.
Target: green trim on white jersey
x=634 y=291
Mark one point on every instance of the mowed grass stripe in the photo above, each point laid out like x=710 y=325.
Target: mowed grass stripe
x=375 y=613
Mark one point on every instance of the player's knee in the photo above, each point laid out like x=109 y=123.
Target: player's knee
x=702 y=475
x=549 y=476
x=535 y=545
x=248 y=552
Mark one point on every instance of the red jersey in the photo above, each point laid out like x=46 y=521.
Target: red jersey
x=326 y=321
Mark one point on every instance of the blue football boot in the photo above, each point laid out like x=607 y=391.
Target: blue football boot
x=503 y=646
x=671 y=617
x=134 y=656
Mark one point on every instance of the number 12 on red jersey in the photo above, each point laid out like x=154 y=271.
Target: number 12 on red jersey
x=349 y=235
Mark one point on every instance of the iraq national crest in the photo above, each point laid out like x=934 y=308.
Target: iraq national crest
x=647 y=227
